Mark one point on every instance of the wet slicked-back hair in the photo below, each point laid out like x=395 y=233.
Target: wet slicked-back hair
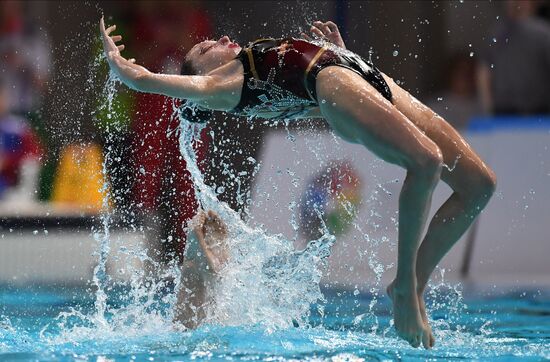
x=187 y=67
x=200 y=115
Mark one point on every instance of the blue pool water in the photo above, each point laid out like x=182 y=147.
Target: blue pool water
x=496 y=326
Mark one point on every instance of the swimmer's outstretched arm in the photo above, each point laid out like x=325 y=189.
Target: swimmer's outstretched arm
x=195 y=88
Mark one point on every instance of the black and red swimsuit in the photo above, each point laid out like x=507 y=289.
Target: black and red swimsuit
x=280 y=74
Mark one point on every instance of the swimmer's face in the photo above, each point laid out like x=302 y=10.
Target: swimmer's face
x=211 y=54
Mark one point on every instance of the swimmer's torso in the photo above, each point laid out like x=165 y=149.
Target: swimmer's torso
x=280 y=74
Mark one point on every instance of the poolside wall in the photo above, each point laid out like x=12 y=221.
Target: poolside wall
x=511 y=245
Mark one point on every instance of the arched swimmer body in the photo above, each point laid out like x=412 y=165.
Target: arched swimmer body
x=399 y=129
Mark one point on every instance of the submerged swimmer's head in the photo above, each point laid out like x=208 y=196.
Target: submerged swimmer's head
x=209 y=55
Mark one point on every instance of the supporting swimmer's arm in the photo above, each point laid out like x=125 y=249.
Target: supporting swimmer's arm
x=211 y=233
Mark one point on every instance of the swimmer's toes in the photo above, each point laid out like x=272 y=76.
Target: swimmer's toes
x=426 y=339
x=415 y=342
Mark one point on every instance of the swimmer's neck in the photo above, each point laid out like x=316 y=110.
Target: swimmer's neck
x=230 y=79
x=230 y=69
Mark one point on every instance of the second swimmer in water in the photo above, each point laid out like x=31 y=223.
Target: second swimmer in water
x=295 y=78
x=206 y=253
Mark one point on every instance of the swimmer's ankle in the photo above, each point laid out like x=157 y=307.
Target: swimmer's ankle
x=405 y=282
x=403 y=289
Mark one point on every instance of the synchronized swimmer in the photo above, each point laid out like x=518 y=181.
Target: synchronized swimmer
x=299 y=78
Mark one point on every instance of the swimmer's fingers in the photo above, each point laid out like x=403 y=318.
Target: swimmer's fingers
x=104 y=31
x=201 y=218
x=108 y=43
x=110 y=29
x=216 y=223
x=120 y=47
x=305 y=36
x=318 y=33
x=323 y=27
x=334 y=34
x=116 y=38
x=132 y=60
x=332 y=27
x=328 y=31
x=415 y=341
x=102 y=25
x=197 y=222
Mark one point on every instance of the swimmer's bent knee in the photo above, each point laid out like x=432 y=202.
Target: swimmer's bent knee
x=485 y=185
x=428 y=164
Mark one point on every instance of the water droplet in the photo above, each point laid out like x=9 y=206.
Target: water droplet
x=395 y=53
x=471 y=54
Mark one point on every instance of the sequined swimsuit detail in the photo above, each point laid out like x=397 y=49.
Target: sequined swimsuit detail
x=280 y=75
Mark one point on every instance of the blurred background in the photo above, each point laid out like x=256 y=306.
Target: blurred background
x=482 y=65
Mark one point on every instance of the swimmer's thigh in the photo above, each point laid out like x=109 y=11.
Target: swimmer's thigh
x=469 y=170
x=360 y=114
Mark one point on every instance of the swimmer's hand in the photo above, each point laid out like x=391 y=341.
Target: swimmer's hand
x=109 y=42
x=211 y=233
x=125 y=69
x=328 y=31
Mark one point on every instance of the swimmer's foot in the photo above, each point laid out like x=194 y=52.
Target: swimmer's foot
x=408 y=319
x=211 y=232
x=424 y=316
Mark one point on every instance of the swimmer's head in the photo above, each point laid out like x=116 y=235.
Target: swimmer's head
x=209 y=55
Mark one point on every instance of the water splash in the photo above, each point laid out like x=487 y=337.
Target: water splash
x=100 y=277
x=266 y=281
x=122 y=307
x=451 y=168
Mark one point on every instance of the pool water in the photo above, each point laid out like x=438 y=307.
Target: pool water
x=486 y=326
